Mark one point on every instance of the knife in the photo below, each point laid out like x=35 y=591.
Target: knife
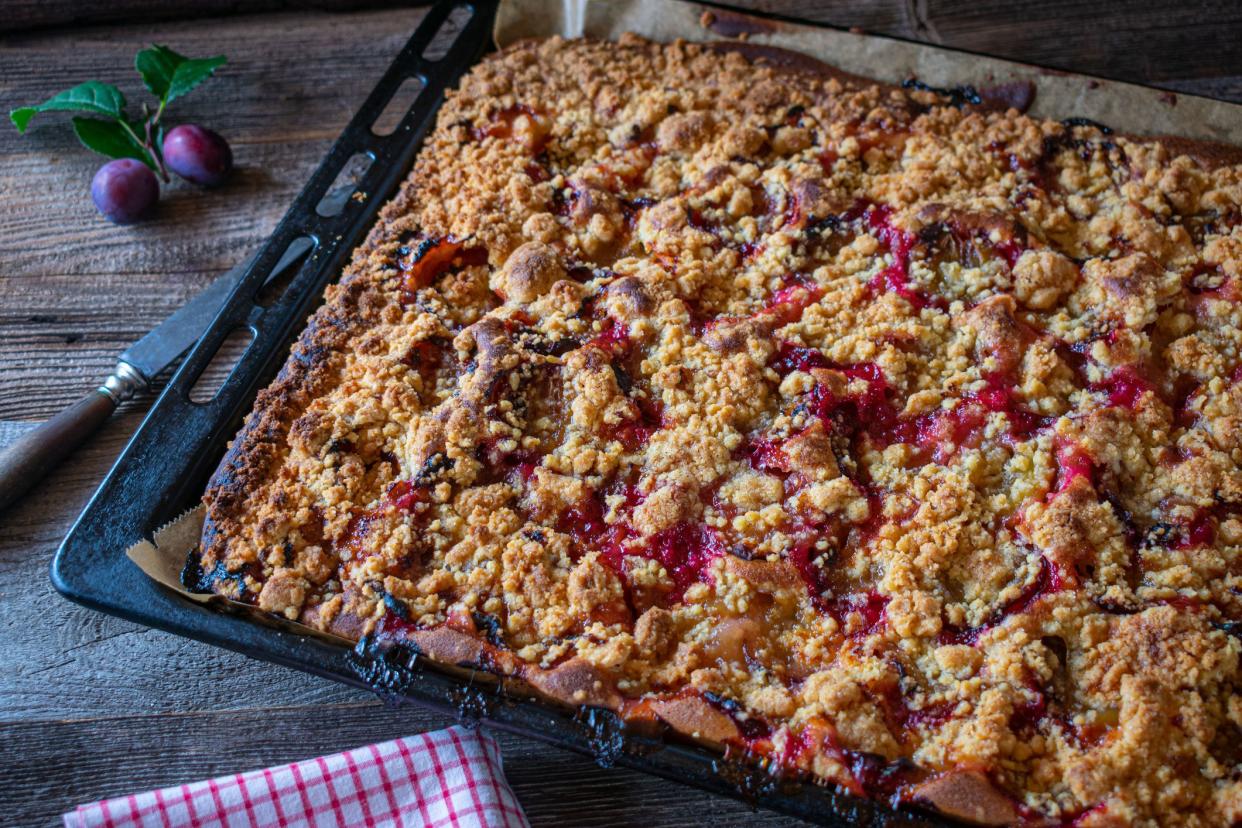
x=35 y=453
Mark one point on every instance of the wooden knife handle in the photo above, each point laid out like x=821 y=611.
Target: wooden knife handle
x=34 y=454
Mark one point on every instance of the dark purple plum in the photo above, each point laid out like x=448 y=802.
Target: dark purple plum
x=197 y=154
x=125 y=190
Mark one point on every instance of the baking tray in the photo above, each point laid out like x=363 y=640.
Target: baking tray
x=165 y=467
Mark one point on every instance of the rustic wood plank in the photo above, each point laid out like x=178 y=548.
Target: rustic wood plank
x=29 y=14
x=1146 y=42
x=136 y=708
x=1226 y=87
x=278 y=140
x=278 y=123
x=63 y=660
x=115 y=756
x=76 y=289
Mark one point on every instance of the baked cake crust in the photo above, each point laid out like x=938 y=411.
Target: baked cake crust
x=890 y=439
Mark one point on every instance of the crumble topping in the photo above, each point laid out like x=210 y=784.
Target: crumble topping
x=894 y=441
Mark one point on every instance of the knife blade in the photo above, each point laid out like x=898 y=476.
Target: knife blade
x=25 y=461
x=165 y=344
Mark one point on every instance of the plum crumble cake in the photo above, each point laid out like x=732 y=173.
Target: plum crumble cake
x=888 y=438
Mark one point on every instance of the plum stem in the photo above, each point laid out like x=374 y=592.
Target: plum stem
x=151 y=148
x=156 y=161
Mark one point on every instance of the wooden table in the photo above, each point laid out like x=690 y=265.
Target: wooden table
x=91 y=706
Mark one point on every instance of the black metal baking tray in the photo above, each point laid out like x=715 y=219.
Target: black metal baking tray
x=164 y=469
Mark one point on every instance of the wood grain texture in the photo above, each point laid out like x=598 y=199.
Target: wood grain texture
x=1143 y=40
x=120 y=754
x=30 y=14
x=92 y=706
x=1162 y=44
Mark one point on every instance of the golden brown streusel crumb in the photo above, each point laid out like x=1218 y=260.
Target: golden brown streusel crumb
x=897 y=441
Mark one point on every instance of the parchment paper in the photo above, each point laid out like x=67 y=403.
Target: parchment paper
x=1125 y=107
x=163 y=557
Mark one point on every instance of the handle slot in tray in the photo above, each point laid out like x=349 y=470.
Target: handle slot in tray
x=165 y=466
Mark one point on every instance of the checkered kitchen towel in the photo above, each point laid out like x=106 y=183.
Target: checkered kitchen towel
x=447 y=778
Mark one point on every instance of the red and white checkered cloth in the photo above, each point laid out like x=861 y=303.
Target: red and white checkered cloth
x=451 y=777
